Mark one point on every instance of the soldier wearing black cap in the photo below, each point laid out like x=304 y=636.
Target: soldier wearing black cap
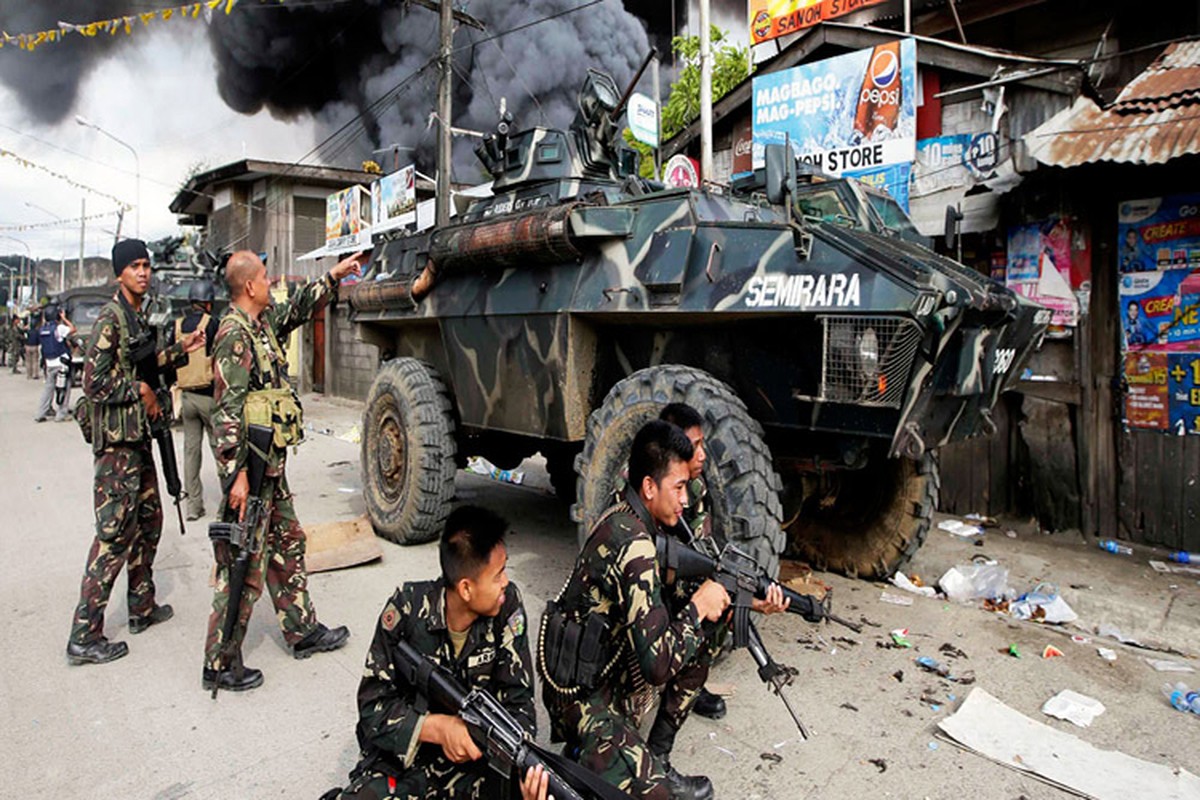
x=195 y=380
x=128 y=509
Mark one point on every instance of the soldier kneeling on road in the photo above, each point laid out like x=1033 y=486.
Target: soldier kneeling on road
x=472 y=622
x=613 y=636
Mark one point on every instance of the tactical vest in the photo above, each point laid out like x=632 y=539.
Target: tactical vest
x=198 y=372
x=275 y=406
x=52 y=348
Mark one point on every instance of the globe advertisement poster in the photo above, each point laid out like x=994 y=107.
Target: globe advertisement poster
x=852 y=114
x=1158 y=258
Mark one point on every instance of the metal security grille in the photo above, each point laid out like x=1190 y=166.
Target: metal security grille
x=846 y=377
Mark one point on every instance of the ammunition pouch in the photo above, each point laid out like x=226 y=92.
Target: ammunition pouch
x=279 y=410
x=573 y=656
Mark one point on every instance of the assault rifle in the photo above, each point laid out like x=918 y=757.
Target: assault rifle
x=506 y=745
x=744 y=580
x=246 y=537
x=143 y=354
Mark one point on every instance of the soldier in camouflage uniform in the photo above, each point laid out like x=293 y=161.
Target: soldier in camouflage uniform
x=5 y=338
x=248 y=359
x=698 y=520
x=128 y=509
x=16 y=343
x=617 y=576
x=471 y=622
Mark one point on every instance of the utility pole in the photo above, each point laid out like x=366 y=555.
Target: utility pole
x=82 y=232
x=445 y=143
x=657 y=118
x=706 y=144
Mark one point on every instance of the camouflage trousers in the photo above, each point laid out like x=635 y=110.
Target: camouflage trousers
x=432 y=776
x=128 y=526
x=279 y=564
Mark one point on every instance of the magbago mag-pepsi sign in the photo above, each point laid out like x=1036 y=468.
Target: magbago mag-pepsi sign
x=848 y=113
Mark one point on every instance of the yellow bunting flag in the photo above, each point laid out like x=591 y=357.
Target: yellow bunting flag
x=31 y=41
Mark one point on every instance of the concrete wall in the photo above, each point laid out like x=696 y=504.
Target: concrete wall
x=351 y=364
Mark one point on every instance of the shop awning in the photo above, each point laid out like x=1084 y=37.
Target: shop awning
x=1155 y=119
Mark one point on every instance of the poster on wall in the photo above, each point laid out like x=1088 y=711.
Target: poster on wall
x=1158 y=288
x=1049 y=262
x=894 y=180
x=1146 y=405
x=850 y=113
x=1159 y=233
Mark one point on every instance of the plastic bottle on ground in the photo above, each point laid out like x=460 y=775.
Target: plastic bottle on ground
x=1113 y=546
x=1182 y=557
x=1180 y=698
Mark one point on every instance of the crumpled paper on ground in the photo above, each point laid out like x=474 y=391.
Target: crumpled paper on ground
x=1073 y=707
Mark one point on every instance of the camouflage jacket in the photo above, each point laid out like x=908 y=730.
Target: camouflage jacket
x=238 y=371
x=495 y=657
x=617 y=575
x=109 y=379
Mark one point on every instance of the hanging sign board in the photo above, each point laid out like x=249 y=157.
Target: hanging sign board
x=394 y=200
x=681 y=172
x=770 y=19
x=348 y=220
x=642 y=115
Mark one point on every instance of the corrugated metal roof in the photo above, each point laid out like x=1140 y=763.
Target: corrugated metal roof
x=1155 y=119
x=1172 y=80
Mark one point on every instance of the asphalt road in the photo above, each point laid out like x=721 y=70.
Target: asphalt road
x=142 y=727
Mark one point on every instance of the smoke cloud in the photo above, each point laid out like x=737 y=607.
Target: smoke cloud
x=334 y=61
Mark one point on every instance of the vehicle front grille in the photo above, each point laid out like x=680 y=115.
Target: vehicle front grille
x=847 y=377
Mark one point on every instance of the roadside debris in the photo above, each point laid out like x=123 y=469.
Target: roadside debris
x=1050 y=651
x=849 y=706
x=902 y=581
x=960 y=528
x=880 y=763
x=478 y=465
x=970 y=582
x=1012 y=650
x=774 y=758
x=900 y=637
x=1115 y=547
x=952 y=651
x=1164 y=567
x=1043 y=604
x=898 y=675
x=1113 y=632
x=1180 y=698
x=1106 y=654
x=896 y=600
x=1073 y=707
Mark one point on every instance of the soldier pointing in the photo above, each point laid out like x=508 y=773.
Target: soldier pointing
x=250 y=386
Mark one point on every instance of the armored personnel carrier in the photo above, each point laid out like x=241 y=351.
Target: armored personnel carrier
x=829 y=354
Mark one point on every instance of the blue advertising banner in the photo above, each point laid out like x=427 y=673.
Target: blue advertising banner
x=1159 y=233
x=850 y=113
x=894 y=180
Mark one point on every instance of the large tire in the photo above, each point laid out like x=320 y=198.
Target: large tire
x=408 y=452
x=867 y=523
x=743 y=487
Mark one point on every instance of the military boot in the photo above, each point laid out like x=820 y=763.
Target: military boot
x=709 y=705
x=682 y=787
x=100 y=651
x=320 y=640
x=158 y=614
x=230 y=682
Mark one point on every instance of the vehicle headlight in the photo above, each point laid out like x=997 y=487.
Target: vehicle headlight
x=868 y=352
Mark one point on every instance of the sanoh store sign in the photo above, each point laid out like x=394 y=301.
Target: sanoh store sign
x=849 y=113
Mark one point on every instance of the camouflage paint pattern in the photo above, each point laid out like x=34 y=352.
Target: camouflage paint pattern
x=495 y=657
x=617 y=576
x=247 y=357
x=730 y=284
x=279 y=565
x=128 y=527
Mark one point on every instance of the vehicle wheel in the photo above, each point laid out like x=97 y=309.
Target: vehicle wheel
x=865 y=523
x=743 y=487
x=408 y=452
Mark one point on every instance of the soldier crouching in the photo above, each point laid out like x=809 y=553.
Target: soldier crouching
x=472 y=622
